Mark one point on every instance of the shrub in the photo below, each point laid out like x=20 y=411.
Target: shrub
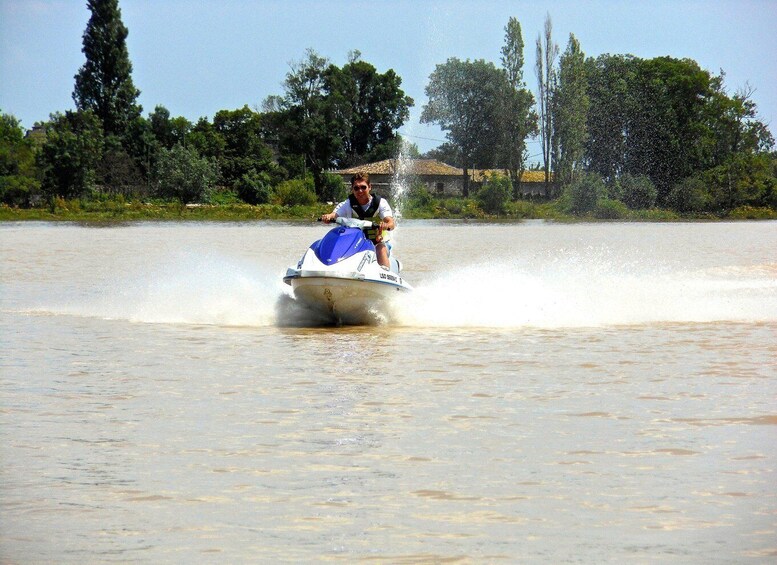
x=494 y=195
x=17 y=190
x=420 y=198
x=471 y=210
x=184 y=175
x=295 y=192
x=608 y=209
x=452 y=206
x=638 y=192
x=117 y=174
x=689 y=195
x=253 y=187
x=223 y=197
x=334 y=189
x=584 y=194
x=521 y=209
x=655 y=215
x=753 y=213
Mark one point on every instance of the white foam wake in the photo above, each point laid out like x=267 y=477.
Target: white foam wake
x=578 y=294
x=187 y=290
x=553 y=294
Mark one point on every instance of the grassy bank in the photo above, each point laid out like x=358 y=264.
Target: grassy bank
x=77 y=211
x=455 y=208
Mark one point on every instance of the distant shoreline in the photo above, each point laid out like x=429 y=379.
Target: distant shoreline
x=110 y=212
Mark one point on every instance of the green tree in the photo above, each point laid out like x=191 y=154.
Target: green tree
x=117 y=172
x=650 y=117
x=104 y=83
x=244 y=150
x=570 y=112
x=168 y=131
x=745 y=179
x=206 y=140
x=11 y=142
x=671 y=121
x=70 y=157
x=733 y=124
x=610 y=90
x=304 y=121
x=184 y=175
x=464 y=100
x=545 y=69
x=519 y=120
x=17 y=163
x=512 y=54
x=665 y=128
x=392 y=148
x=334 y=117
x=141 y=146
x=335 y=190
x=738 y=145
x=374 y=107
x=446 y=153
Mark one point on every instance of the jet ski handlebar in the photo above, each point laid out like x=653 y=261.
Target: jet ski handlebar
x=370 y=229
x=353 y=223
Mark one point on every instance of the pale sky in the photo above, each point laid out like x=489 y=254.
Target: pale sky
x=197 y=57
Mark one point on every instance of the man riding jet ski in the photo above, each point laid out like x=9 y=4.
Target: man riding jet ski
x=365 y=205
x=348 y=276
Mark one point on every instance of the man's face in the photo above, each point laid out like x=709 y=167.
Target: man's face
x=361 y=189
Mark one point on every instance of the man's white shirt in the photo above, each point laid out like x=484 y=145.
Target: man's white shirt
x=344 y=210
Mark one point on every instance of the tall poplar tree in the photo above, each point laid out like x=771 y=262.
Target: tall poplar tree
x=104 y=83
x=570 y=112
x=519 y=120
x=547 y=51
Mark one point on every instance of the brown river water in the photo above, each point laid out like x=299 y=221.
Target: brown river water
x=550 y=393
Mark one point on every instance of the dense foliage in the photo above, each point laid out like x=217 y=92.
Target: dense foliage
x=184 y=175
x=104 y=84
x=336 y=117
x=620 y=135
x=465 y=99
x=18 y=180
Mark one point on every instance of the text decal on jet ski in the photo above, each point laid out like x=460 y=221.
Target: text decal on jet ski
x=388 y=276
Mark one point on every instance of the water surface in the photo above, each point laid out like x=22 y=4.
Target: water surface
x=550 y=393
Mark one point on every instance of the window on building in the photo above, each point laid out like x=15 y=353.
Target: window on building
x=440 y=187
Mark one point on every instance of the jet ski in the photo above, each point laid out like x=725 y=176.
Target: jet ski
x=340 y=278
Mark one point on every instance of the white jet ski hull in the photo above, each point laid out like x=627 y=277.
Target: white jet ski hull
x=346 y=300
x=339 y=277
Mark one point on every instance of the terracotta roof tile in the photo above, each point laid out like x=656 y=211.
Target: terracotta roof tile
x=435 y=168
x=414 y=166
x=480 y=175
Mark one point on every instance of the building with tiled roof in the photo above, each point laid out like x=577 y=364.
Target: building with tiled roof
x=426 y=167
x=438 y=177
x=528 y=177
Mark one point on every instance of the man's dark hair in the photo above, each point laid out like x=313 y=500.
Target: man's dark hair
x=360 y=176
